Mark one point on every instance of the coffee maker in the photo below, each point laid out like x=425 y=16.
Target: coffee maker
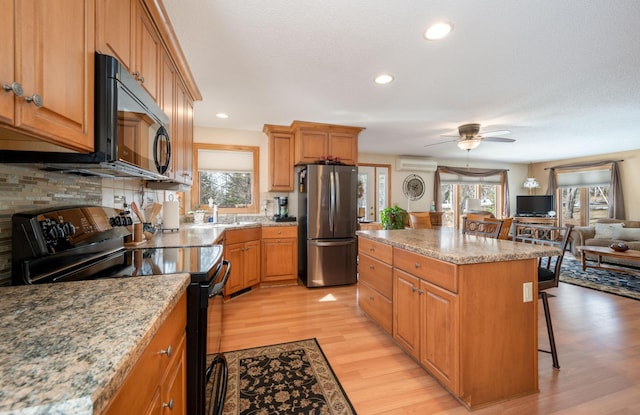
x=281 y=209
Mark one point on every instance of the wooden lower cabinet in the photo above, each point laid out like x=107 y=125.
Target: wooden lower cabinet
x=242 y=249
x=157 y=383
x=279 y=254
x=375 y=282
x=468 y=324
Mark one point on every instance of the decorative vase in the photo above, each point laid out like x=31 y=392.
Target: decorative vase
x=198 y=218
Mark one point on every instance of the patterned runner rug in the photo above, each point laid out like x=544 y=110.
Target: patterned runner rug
x=611 y=282
x=287 y=378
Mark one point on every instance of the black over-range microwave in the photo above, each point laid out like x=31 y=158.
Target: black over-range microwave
x=131 y=132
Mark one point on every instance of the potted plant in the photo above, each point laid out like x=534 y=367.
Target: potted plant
x=393 y=217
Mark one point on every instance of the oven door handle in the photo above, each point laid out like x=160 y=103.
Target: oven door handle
x=216 y=289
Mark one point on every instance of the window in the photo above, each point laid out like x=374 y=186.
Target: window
x=228 y=175
x=373 y=190
x=584 y=196
x=456 y=197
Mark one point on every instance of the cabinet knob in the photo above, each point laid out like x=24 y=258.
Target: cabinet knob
x=36 y=99
x=371 y=267
x=142 y=79
x=168 y=405
x=136 y=75
x=417 y=265
x=414 y=289
x=168 y=351
x=371 y=298
x=279 y=232
x=371 y=249
x=15 y=87
x=420 y=292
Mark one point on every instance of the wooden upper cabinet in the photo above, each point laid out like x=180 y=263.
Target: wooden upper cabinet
x=125 y=31
x=52 y=58
x=7 y=62
x=315 y=141
x=281 y=153
x=168 y=103
x=115 y=29
x=182 y=142
x=147 y=53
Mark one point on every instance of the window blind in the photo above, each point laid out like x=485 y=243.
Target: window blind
x=584 y=178
x=225 y=160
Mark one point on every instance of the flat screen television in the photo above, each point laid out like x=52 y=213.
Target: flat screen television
x=534 y=205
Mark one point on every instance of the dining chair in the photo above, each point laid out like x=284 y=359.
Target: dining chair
x=481 y=227
x=419 y=220
x=505 y=229
x=548 y=268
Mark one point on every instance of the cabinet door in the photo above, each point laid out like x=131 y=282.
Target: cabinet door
x=115 y=29
x=311 y=146
x=183 y=138
x=175 y=384
x=147 y=52
x=439 y=343
x=234 y=253
x=406 y=309
x=7 y=62
x=56 y=62
x=279 y=259
x=281 y=153
x=251 y=263
x=344 y=146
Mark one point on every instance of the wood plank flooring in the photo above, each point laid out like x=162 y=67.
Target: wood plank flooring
x=597 y=334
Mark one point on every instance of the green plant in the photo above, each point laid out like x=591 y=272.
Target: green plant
x=393 y=217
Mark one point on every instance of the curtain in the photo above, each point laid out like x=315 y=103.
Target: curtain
x=473 y=172
x=616 y=200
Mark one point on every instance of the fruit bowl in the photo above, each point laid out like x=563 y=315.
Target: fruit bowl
x=619 y=247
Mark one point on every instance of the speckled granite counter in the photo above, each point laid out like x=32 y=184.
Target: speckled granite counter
x=201 y=235
x=66 y=348
x=447 y=244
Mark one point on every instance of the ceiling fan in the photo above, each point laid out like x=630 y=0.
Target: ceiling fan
x=469 y=137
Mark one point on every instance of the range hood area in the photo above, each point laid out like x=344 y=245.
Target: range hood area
x=82 y=164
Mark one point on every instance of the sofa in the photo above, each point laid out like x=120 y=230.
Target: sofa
x=604 y=232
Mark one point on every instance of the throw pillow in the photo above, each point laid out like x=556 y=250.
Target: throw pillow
x=627 y=234
x=606 y=230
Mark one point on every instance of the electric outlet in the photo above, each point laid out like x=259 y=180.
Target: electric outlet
x=527 y=292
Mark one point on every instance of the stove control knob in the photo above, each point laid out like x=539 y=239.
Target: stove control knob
x=56 y=231
x=68 y=229
x=112 y=222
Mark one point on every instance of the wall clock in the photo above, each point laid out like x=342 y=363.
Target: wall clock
x=413 y=187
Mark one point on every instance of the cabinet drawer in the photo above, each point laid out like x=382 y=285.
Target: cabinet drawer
x=241 y=235
x=376 y=274
x=276 y=232
x=375 y=305
x=442 y=274
x=375 y=249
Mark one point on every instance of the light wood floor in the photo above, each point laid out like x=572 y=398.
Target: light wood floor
x=598 y=337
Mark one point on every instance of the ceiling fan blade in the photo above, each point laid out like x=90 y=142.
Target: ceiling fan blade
x=499 y=139
x=494 y=133
x=441 y=142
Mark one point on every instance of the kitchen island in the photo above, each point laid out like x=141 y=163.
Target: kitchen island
x=67 y=348
x=464 y=307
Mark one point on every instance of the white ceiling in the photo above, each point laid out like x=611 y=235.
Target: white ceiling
x=562 y=75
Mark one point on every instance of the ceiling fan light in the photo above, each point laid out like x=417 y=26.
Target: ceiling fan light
x=468 y=144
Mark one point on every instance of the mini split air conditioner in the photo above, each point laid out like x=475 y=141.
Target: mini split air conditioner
x=415 y=164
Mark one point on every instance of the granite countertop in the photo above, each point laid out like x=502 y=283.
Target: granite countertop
x=203 y=234
x=66 y=348
x=447 y=244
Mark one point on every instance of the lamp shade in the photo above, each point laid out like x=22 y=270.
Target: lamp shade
x=468 y=143
x=531 y=183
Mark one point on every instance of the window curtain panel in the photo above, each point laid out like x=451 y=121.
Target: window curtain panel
x=477 y=173
x=616 y=199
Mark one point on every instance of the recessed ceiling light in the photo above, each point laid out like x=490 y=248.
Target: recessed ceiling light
x=438 y=30
x=384 y=79
x=222 y=115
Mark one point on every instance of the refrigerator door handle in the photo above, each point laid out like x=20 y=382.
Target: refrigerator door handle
x=332 y=200
x=333 y=243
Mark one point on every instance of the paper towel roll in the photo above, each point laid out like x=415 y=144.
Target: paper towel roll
x=170 y=217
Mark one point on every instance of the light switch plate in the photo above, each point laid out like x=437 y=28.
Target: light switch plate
x=527 y=292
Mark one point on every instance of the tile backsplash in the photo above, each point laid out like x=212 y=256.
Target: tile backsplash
x=24 y=188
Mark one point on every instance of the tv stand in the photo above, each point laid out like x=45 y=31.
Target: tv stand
x=533 y=220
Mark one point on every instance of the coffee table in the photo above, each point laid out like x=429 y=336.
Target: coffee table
x=601 y=251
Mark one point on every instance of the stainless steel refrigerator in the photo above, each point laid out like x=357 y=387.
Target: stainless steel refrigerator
x=327 y=215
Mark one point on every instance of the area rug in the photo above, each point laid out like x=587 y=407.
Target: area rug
x=286 y=378
x=608 y=281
